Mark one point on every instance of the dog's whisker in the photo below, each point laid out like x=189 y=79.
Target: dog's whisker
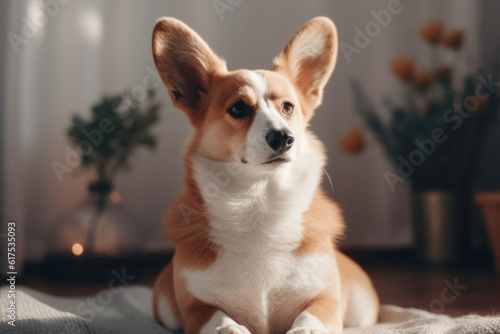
x=329 y=178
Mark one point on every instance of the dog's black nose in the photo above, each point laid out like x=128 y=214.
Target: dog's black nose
x=279 y=140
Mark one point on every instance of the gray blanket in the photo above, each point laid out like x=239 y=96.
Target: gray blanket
x=128 y=310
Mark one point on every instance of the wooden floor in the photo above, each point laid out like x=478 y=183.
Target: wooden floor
x=452 y=291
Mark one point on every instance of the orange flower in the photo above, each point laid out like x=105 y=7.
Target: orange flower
x=353 y=142
x=432 y=32
x=477 y=104
x=404 y=68
x=422 y=79
x=454 y=39
x=443 y=74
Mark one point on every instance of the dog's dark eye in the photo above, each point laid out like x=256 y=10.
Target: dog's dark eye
x=287 y=108
x=239 y=110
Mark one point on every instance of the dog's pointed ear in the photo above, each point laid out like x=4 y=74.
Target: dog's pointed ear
x=309 y=58
x=185 y=63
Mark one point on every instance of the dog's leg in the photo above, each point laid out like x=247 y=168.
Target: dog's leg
x=165 y=307
x=202 y=318
x=205 y=319
x=220 y=323
x=322 y=315
x=360 y=302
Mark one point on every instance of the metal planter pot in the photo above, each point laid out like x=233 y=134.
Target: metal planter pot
x=490 y=208
x=438 y=227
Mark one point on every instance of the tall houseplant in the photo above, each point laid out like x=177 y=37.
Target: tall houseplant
x=435 y=138
x=100 y=233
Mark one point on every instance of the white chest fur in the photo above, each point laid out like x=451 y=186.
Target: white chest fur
x=256 y=219
x=250 y=209
x=252 y=288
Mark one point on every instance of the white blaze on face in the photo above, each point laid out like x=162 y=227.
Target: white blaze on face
x=266 y=118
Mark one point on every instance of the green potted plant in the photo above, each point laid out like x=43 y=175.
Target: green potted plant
x=98 y=234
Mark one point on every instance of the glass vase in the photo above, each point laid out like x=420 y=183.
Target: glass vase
x=94 y=238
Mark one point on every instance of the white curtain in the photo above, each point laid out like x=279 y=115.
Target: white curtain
x=88 y=48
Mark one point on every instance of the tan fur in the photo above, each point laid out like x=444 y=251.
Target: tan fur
x=195 y=312
x=304 y=73
x=185 y=63
x=320 y=234
x=351 y=273
x=164 y=287
x=323 y=307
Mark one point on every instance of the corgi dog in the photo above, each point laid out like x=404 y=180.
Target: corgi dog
x=255 y=234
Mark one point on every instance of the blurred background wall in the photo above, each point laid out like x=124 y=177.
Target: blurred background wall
x=90 y=48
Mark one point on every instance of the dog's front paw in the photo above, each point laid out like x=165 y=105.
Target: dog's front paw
x=304 y=330
x=232 y=329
